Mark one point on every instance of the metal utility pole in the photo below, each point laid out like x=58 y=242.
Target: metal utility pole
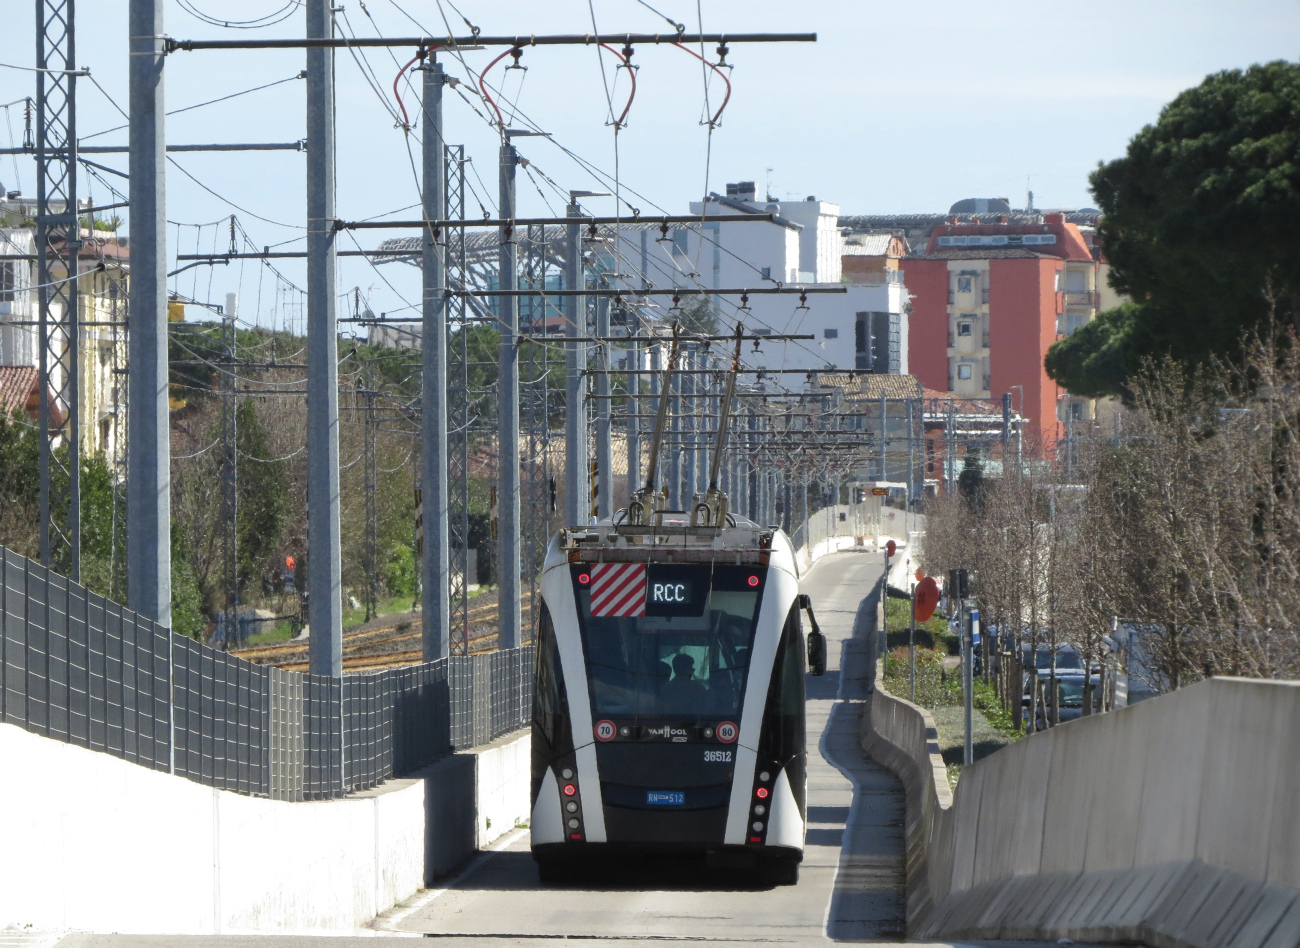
x=604 y=446
x=575 y=364
x=968 y=681
x=911 y=458
x=459 y=409
x=230 y=473
x=508 y=567
x=324 y=553
x=435 y=567
x=911 y=638
x=58 y=232
x=148 y=486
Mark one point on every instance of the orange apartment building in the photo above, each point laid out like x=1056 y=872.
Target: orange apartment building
x=988 y=299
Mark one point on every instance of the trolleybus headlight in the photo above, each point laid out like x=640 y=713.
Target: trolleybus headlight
x=758 y=827
x=573 y=824
x=584 y=579
x=764 y=776
x=572 y=806
x=760 y=809
x=566 y=773
x=570 y=790
x=761 y=792
x=753 y=580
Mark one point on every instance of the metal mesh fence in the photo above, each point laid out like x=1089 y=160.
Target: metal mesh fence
x=79 y=668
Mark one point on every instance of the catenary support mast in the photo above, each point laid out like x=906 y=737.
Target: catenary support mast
x=436 y=563
x=508 y=603
x=324 y=553
x=148 y=485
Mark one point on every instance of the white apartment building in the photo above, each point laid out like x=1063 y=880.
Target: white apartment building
x=103 y=304
x=864 y=327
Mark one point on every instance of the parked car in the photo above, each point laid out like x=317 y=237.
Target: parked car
x=1070 y=685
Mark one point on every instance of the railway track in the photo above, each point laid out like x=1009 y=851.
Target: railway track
x=379 y=646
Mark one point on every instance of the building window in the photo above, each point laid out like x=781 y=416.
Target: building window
x=7 y=282
x=830 y=334
x=679 y=243
x=1071 y=322
x=963 y=328
x=963 y=371
x=964 y=284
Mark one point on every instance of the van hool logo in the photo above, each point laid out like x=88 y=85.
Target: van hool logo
x=675 y=733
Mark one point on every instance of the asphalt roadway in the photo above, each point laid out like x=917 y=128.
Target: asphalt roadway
x=851 y=880
x=851 y=883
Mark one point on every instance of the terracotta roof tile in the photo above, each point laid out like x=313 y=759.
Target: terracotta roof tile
x=18 y=388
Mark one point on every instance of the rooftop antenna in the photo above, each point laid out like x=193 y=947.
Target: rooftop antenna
x=710 y=509
x=646 y=502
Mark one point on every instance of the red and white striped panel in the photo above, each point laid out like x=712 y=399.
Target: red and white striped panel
x=618 y=589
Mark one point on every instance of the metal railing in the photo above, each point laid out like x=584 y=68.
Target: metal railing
x=80 y=668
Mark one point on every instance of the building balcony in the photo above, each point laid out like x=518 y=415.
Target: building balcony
x=1081 y=299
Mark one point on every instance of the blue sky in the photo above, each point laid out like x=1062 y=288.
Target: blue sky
x=898 y=108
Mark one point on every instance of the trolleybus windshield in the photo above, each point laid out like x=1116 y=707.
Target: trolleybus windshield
x=667 y=643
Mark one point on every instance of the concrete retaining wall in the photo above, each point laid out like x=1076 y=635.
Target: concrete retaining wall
x=1175 y=822
x=93 y=843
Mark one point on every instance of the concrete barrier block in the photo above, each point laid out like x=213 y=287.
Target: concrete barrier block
x=1075 y=783
x=1033 y=757
x=1117 y=799
x=1197 y=888
x=965 y=837
x=1151 y=885
x=1002 y=805
x=1239 y=897
x=1284 y=822
x=1172 y=776
x=1286 y=933
x=504 y=775
x=1236 y=814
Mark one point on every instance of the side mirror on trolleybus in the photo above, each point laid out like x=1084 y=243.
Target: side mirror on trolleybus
x=816 y=641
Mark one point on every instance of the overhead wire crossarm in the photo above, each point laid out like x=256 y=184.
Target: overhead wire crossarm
x=441 y=42
x=669 y=291
x=542 y=221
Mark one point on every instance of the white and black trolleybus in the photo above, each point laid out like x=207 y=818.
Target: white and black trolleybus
x=669 y=687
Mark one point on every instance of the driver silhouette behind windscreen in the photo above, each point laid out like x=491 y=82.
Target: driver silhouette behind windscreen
x=682 y=690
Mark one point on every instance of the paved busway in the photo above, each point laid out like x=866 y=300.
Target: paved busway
x=851 y=879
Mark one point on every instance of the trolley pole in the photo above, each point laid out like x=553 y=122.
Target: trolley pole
x=508 y=603
x=435 y=568
x=575 y=413
x=633 y=404
x=325 y=605
x=604 y=440
x=148 y=525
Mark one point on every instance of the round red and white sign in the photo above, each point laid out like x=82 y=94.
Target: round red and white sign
x=727 y=732
x=605 y=730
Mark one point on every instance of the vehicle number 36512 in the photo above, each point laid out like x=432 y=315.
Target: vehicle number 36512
x=717 y=757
